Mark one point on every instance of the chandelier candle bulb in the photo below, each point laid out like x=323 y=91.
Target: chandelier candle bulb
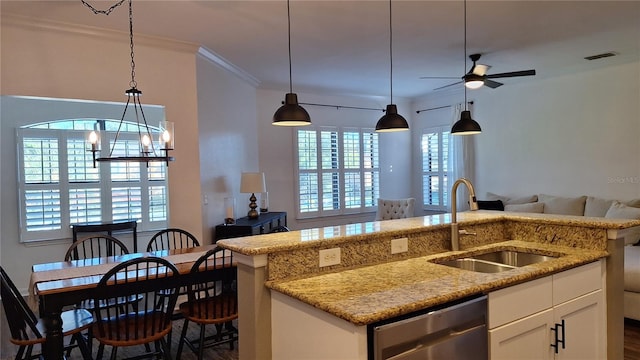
x=93 y=140
x=166 y=134
x=145 y=143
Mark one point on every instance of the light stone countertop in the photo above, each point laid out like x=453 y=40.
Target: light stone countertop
x=332 y=235
x=365 y=295
x=371 y=286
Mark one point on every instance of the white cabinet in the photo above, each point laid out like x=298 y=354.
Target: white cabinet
x=524 y=319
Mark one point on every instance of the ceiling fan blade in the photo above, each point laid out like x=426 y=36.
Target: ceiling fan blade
x=492 y=84
x=512 y=74
x=446 y=86
x=439 y=77
x=480 y=69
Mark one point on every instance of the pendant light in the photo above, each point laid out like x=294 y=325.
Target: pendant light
x=291 y=113
x=466 y=125
x=148 y=149
x=391 y=120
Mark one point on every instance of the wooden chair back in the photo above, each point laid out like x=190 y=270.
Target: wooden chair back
x=216 y=298
x=172 y=238
x=95 y=246
x=22 y=321
x=149 y=319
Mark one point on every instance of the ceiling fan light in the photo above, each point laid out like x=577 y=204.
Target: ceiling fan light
x=466 y=125
x=392 y=121
x=473 y=81
x=291 y=113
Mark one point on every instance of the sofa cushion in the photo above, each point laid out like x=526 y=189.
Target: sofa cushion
x=596 y=207
x=534 y=207
x=490 y=205
x=563 y=205
x=619 y=210
x=512 y=200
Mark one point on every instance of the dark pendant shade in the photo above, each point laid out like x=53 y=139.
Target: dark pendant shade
x=291 y=114
x=392 y=121
x=466 y=125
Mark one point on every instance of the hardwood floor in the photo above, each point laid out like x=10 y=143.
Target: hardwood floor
x=631 y=339
x=7 y=350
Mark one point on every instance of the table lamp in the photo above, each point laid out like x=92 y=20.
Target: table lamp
x=252 y=182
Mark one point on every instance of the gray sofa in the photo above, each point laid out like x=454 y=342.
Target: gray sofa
x=592 y=207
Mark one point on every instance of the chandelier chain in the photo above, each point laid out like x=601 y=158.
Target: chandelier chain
x=133 y=83
x=104 y=12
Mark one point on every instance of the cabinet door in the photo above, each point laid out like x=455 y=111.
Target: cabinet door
x=527 y=338
x=585 y=328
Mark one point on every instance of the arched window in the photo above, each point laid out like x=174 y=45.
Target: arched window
x=58 y=185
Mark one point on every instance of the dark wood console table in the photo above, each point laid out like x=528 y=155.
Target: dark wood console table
x=247 y=227
x=109 y=228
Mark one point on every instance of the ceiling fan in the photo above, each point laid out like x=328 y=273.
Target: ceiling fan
x=477 y=75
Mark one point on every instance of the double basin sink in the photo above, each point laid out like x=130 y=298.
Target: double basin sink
x=496 y=261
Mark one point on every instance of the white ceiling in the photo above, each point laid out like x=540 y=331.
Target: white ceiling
x=342 y=47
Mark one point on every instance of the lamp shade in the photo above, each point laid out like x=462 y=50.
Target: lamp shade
x=252 y=182
x=291 y=113
x=392 y=121
x=466 y=125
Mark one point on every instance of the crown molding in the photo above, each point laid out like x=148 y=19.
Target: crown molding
x=40 y=24
x=211 y=56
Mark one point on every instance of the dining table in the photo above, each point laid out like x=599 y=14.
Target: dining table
x=56 y=285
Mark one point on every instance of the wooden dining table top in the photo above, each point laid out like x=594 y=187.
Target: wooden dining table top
x=62 y=276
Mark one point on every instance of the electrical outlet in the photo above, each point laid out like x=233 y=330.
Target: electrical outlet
x=399 y=245
x=329 y=257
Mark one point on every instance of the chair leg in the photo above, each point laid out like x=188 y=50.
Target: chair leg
x=166 y=351
x=20 y=352
x=84 y=348
x=182 y=338
x=114 y=352
x=201 y=345
x=100 y=351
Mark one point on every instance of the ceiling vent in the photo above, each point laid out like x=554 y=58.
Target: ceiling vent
x=600 y=56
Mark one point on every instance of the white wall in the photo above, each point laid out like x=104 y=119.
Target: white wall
x=277 y=150
x=570 y=135
x=227 y=139
x=52 y=60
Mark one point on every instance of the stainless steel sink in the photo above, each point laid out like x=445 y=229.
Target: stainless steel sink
x=513 y=258
x=476 y=265
x=496 y=261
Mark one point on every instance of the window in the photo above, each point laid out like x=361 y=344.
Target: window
x=435 y=168
x=58 y=185
x=338 y=171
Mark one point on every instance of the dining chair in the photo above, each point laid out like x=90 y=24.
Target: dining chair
x=169 y=239
x=172 y=238
x=150 y=322
x=95 y=246
x=212 y=302
x=26 y=329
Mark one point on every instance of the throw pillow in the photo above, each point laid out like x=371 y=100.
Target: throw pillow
x=619 y=210
x=633 y=203
x=490 y=205
x=534 y=207
x=563 y=205
x=596 y=207
x=512 y=200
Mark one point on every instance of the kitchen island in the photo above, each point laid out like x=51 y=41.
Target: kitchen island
x=369 y=283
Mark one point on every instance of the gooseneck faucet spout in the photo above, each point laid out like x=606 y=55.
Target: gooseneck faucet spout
x=473 y=204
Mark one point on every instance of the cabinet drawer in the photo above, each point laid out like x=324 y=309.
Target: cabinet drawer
x=519 y=301
x=576 y=282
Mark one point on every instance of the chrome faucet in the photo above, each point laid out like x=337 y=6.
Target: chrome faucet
x=473 y=204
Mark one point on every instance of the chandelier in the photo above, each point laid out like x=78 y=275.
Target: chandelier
x=154 y=144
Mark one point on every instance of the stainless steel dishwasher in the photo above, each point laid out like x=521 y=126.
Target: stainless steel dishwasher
x=456 y=331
